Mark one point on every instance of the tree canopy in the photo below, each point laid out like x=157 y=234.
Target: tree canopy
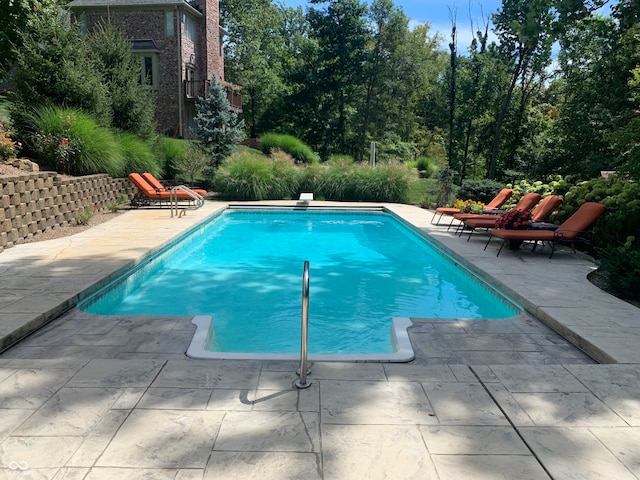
x=546 y=86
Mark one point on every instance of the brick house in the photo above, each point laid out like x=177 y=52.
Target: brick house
x=179 y=45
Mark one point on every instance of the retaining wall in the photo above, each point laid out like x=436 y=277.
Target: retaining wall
x=33 y=203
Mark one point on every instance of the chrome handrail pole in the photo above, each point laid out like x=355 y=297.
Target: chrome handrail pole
x=302 y=381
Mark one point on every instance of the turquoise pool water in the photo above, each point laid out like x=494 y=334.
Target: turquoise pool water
x=244 y=269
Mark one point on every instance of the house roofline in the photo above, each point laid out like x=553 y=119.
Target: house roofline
x=130 y=5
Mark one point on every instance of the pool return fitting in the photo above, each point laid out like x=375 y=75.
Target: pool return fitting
x=303 y=371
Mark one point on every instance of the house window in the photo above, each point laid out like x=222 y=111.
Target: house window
x=191 y=73
x=147 y=53
x=189 y=27
x=82 y=22
x=191 y=84
x=149 y=69
x=169 y=26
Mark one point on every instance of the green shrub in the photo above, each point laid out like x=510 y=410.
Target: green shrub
x=119 y=203
x=192 y=163
x=139 y=156
x=555 y=185
x=480 y=190
x=426 y=166
x=622 y=199
x=85 y=214
x=289 y=144
x=620 y=266
x=616 y=234
x=72 y=142
x=445 y=177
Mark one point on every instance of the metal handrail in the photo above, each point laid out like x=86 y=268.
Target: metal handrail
x=173 y=198
x=303 y=371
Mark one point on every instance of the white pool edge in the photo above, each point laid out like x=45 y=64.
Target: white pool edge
x=403 y=351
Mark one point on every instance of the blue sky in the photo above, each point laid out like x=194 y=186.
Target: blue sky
x=438 y=14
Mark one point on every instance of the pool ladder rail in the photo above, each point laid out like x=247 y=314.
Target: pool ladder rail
x=304 y=370
x=196 y=198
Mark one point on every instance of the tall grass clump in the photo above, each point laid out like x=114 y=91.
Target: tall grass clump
x=247 y=176
x=289 y=144
x=311 y=180
x=340 y=159
x=171 y=151
x=337 y=182
x=286 y=176
x=139 y=156
x=385 y=183
x=426 y=166
x=72 y=142
x=346 y=181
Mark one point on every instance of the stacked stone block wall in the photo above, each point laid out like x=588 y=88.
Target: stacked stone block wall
x=33 y=203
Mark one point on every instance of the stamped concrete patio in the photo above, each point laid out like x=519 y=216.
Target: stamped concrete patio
x=91 y=397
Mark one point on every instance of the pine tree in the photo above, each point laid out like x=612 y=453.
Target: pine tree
x=217 y=127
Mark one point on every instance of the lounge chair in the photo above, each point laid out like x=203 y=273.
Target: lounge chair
x=493 y=205
x=153 y=181
x=538 y=215
x=148 y=194
x=571 y=230
x=526 y=203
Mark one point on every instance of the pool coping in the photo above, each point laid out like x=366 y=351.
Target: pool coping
x=46 y=279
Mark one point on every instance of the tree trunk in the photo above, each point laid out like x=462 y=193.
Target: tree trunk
x=502 y=113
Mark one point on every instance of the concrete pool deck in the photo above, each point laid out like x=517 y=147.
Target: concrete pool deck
x=89 y=397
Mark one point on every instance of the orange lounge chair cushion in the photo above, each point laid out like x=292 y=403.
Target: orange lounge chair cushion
x=153 y=181
x=539 y=235
x=577 y=223
x=152 y=193
x=447 y=210
x=499 y=200
x=482 y=222
x=545 y=208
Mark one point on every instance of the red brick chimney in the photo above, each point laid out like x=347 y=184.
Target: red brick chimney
x=210 y=48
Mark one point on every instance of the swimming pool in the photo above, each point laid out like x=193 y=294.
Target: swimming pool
x=243 y=270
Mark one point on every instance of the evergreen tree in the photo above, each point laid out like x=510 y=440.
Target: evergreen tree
x=54 y=66
x=19 y=16
x=132 y=103
x=217 y=127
